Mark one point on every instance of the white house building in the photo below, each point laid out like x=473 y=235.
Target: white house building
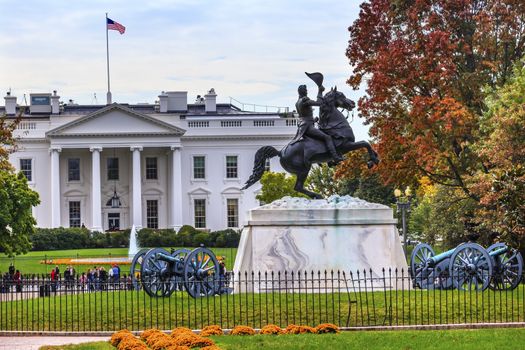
x=159 y=165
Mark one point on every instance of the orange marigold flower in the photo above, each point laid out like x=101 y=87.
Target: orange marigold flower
x=178 y=347
x=211 y=330
x=118 y=336
x=294 y=329
x=242 y=330
x=327 y=328
x=149 y=332
x=271 y=329
x=131 y=343
x=155 y=338
x=192 y=340
x=161 y=343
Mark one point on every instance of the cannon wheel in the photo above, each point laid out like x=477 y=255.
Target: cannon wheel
x=135 y=269
x=422 y=274
x=177 y=280
x=155 y=274
x=470 y=267
x=201 y=273
x=508 y=268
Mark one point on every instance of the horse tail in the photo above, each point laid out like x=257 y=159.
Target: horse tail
x=261 y=155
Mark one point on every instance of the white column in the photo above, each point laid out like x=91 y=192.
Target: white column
x=55 y=186
x=137 y=188
x=176 y=188
x=96 y=205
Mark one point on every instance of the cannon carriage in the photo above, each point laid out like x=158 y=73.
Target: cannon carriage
x=467 y=267
x=160 y=273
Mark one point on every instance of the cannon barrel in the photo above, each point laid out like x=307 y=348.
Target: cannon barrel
x=167 y=258
x=436 y=259
x=499 y=251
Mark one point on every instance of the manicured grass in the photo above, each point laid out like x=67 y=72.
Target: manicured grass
x=30 y=262
x=100 y=345
x=98 y=311
x=446 y=340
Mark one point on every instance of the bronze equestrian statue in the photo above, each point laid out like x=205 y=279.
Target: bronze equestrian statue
x=311 y=145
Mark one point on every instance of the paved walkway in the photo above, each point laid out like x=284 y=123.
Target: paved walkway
x=34 y=343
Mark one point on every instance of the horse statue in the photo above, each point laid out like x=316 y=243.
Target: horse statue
x=298 y=157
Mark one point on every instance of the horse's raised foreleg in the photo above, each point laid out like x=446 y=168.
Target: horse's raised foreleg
x=373 y=158
x=299 y=186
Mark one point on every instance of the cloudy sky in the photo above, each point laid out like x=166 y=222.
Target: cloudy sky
x=254 y=51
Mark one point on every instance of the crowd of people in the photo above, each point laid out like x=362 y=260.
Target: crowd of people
x=97 y=278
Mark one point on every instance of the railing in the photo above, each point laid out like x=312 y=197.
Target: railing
x=198 y=124
x=26 y=126
x=291 y=122
x=231 y=123
x=263 y=123
x=361 y=299
x=251 y=107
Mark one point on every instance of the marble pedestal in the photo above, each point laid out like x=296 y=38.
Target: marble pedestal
x=304 y=236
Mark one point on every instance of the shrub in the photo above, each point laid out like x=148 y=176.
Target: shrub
x=294 y=329
x=242 y=330
x=211 y=330
x=148 y=333
x=271 y=329
x=117 y=337
x=131 y=343
x=327 y=328
x=181 y=330
x=191 y=340
x=161 y=342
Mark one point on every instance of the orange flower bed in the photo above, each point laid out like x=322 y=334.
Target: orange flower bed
x=191 y=340
x=131 y=343
x=117 y=337
x=294 y=329
x=178 y=347
x=161 y=343
x=211 y=330
x=327 y=328
x=211 y=347
x=181 y=330
x=271 y=329
x=242 y=330
x=149 y=333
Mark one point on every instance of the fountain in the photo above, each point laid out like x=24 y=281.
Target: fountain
x=133 y=245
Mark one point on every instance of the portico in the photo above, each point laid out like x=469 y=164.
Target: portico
x=133 y=155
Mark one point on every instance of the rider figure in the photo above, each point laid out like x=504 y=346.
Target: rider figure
x=306 y=126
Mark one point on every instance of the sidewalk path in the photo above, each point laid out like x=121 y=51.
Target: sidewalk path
x=33 y=343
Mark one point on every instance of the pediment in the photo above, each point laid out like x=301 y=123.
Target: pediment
x=115 y=120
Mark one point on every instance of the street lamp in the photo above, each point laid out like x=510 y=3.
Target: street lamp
x=403 y=207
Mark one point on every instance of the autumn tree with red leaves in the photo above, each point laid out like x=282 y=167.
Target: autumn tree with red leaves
x=426 y=64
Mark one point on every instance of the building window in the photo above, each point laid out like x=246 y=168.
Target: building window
x=267 y=164
x=200 y=213
x=112 y=168
x=152 y=214
x=26 y=167
x=73 y=169
x=232 y=207
x=199 y=167
x=231 y=167
x=151 y=168
x=114 y=221
x=74 y=213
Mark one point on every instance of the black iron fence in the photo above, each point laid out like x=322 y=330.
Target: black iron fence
x=360 y=299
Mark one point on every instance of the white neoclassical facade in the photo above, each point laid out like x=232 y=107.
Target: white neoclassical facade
x=159 y=165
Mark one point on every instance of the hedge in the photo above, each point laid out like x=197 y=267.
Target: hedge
x=76 y=238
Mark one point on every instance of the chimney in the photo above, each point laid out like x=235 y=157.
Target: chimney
x=210 y=101
x=10 y=104
x=55 y=105
x=177 y=101
x=163 y=102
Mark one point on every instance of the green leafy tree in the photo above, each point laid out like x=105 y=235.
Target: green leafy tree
x=321 y=180
x=16 y=219
x=276 y=186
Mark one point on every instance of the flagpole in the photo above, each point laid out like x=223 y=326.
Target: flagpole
x=107 y=61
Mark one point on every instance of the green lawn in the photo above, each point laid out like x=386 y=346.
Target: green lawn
x=446 y=340
x=101 y=311
x=30 y=262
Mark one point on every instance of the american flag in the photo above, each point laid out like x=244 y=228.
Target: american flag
x=112 y=25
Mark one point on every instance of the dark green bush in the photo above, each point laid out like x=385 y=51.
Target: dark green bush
x=77 y=238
